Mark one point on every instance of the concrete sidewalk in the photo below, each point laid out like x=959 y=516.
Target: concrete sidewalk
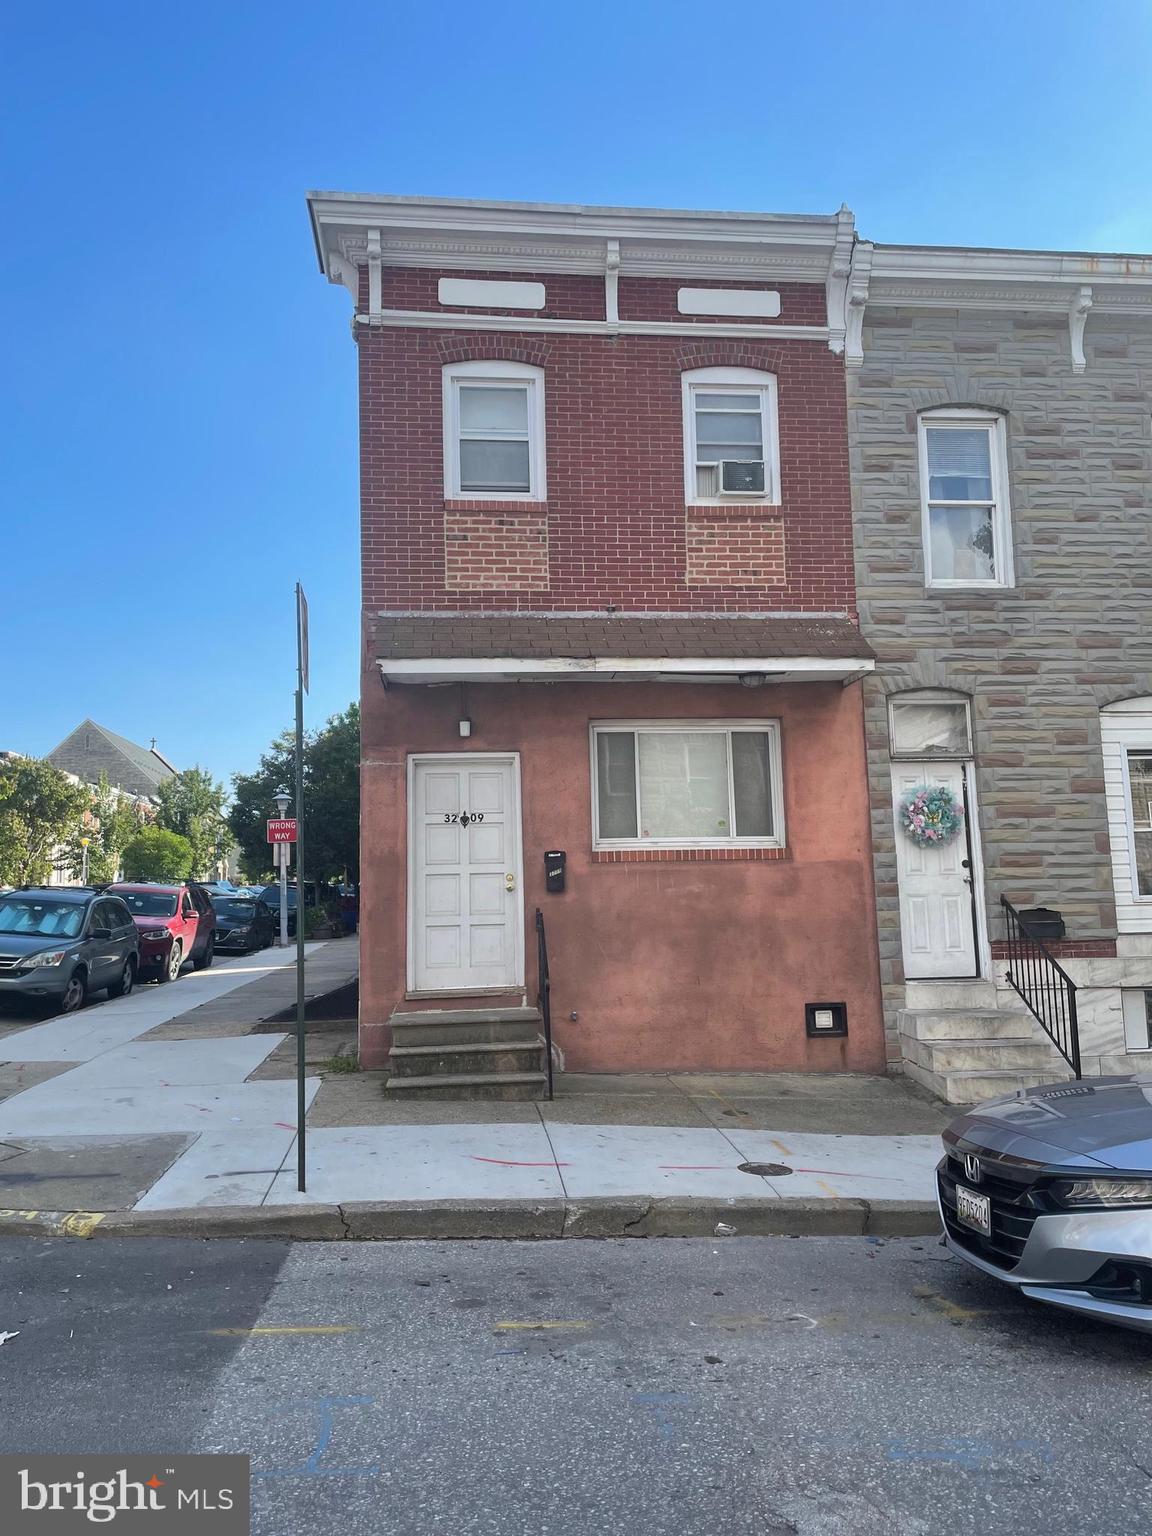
x=143 y=1115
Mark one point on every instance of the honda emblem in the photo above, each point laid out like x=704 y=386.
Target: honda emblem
x=972 y=1171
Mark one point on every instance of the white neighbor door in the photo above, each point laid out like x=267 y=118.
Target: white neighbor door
x=464 y=911
x=936 y=916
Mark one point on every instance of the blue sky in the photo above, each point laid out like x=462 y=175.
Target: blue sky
x=178 y=395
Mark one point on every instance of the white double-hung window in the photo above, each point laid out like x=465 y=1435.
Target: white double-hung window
x=494 y=431
x=730 y=436
x=964 y=499
x=687 y=784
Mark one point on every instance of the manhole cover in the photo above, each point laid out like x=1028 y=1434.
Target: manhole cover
x=765 y=1170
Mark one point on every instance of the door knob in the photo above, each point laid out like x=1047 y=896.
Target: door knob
x=509 y=882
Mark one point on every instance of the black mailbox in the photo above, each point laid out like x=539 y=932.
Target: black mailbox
x=554 y=861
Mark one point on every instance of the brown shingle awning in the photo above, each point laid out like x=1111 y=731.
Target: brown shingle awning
x=534 y=647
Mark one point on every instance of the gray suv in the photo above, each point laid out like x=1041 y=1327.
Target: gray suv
x=59 y=943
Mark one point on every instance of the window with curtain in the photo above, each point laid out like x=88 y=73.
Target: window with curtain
x=688 y=784
x=963 y=472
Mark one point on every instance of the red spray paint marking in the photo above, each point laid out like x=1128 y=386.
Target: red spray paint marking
x=284 y=1126
x=511 y=1162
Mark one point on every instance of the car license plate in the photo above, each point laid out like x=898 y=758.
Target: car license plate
x=974 y=1210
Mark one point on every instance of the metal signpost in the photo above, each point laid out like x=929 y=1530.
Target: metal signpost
x=301 y=689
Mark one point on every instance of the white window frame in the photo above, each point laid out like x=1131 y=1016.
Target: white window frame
x=770 y=728
x=1127 y=752
x=964 y=420
x=928 y=696
x=486 y=371
x=734 y=381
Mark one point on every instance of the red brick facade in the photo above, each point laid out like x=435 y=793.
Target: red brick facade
x=700 y=957
x=618 y=531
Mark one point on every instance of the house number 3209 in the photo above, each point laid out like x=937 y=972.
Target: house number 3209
x=463 y=817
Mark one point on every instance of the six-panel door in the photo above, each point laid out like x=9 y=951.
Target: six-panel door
x=465 y=909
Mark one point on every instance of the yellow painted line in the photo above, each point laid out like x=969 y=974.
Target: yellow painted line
x=507 y=1327
x=230 y=1333
x=67 y=1223
x=780 y=1147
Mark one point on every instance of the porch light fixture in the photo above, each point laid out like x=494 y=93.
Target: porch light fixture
x=826 y=1019
x=465 y=727
x=752 y=679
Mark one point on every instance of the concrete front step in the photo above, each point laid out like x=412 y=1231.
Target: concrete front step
x=931 y=995
x=459 y=1027
x=965 y=1024
x=473 y=1085
x=967 y=1087
x=943 y=1056
x=514 y=1056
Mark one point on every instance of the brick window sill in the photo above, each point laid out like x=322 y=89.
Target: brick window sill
x=707 y=511
x=527 y=508
x=689 y=855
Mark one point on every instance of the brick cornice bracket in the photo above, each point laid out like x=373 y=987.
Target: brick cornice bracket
x=856 y=302
x=836 y=283
x=375 y=275
x=491 y=348
x=1077 y=319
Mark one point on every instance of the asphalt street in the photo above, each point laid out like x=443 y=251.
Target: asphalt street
x=826 y=1387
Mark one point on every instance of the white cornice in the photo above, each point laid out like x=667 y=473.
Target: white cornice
x=441 y=320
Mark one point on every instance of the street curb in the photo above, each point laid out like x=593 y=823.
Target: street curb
x=400 y=1220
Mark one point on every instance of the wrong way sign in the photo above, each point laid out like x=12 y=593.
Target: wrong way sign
x=282 y=830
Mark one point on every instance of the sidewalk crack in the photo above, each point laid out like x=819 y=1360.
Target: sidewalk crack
x=552 y=1152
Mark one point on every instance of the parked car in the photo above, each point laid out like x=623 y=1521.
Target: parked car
x=58 y=944
x=1051 y=1192
x=177 y=923
x=243 y=924
x=217 y=887
x=270 y=896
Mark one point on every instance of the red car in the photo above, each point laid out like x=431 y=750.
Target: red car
x=176 y=923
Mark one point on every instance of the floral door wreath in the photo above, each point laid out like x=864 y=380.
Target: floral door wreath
x=931 y=816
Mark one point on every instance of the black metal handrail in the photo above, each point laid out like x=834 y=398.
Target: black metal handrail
x=1044 y=986
x=544 y=992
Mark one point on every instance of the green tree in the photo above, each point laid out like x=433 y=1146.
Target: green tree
x=157 y=854
x=40 y=809
x=192 y=804
x=113 y=822
x=331 y=799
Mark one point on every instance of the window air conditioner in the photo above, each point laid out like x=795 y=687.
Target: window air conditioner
x=742 y=477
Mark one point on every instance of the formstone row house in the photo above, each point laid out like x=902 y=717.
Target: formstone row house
x=696 y=547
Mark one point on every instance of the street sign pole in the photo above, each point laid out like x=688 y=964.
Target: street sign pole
x=282 y=855
x=301 y=685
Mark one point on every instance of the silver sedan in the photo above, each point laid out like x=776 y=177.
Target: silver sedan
x=1051 y=1192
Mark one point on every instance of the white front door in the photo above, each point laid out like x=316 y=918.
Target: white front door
x=465 y=917
x=937 y=916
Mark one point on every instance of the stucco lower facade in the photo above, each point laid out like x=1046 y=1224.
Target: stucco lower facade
x=691 y=960
x=1042 y=663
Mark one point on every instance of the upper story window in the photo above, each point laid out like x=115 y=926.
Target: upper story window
x=1140 y=809
x=964 y=499
x=730 y=436
x=494 y=431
